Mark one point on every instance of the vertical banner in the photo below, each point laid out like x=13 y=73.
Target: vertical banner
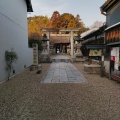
x=35 y=54
x=115 y=55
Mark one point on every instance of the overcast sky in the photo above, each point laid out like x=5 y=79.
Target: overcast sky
x=89 y=10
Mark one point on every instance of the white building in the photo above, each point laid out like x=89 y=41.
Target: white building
x=14 y=34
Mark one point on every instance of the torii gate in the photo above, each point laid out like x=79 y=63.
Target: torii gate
x=71 y=30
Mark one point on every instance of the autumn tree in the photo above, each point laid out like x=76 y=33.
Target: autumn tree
x=34 y=25
x=55 y=20
x=34 y=32
x=67 y=21
x=78 y=21
x=96 y=24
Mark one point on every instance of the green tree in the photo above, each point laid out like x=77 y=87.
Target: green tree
x=31 y=41
x=10 y=58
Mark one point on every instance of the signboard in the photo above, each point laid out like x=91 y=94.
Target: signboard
x=112 y=58
x=115 y=56
x=95 y=52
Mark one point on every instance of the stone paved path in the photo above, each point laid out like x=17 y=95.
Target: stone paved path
x=62 y=72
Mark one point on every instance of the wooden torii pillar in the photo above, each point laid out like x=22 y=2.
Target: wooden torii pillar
x=72 y=30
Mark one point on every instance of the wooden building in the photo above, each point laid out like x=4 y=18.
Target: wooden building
x=61 y=44
x=111 y=9
x=93 y=43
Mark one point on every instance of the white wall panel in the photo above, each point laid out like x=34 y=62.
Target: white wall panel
x=14 y=35
x=106 y=64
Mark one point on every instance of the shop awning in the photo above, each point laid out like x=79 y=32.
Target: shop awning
x=114 y=43
x=95 y=46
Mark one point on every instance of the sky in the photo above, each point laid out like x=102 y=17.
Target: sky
x=89 y=10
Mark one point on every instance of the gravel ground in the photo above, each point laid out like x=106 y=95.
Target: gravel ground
x=25 y=98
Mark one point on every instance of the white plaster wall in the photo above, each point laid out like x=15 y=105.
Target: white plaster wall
x=14 y=35
x=15 y=10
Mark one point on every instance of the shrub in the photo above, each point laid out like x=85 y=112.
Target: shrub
x=10 y=58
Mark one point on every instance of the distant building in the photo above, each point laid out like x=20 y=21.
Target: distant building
x=14 y=34
x=60 y=42
x=111 y=9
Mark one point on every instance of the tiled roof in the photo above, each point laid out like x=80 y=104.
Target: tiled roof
x=107 y=2
x=108 y=5
x=29 y=6
x=88 y=32
x=112 y=26
x=60 y=39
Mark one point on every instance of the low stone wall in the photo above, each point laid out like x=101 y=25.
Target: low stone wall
x=37 y=68
x=91 y=61
x=92 y=68
x=44 y=58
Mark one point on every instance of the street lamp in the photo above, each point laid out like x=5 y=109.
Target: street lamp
x=44 y=57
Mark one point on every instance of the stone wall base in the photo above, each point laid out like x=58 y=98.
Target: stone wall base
x=92 y=68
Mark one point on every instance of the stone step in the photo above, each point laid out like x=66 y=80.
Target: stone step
x=61 y=60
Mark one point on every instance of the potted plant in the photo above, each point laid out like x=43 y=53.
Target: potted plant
x=10 y=58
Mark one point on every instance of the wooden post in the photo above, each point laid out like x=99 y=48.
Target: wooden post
x=48 y=42
x=110 y=67
x=35 y=54
x=71 y=40
x=102 y=66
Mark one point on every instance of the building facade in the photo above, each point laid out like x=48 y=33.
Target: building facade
x=111 y=9
x=61 y=44
x=14 y=34
x=93 y=43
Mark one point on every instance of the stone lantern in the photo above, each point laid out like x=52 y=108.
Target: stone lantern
x=78 y=54
x=52 y=49
x=44 y=44
x=75 y=47
x=44 y=57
